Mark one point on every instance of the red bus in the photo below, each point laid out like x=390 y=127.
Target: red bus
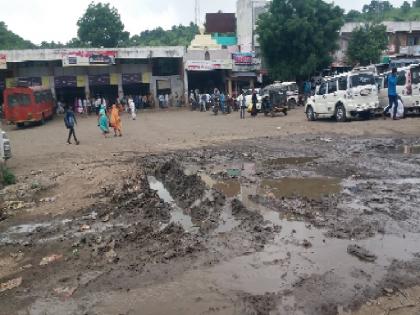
x=28 y=104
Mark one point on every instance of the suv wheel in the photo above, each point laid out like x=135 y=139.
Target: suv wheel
x=340 y=113
x=291 y=104
x=310 y=114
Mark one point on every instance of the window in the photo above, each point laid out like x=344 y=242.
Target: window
x=207 y=56
x=12 y=100
x=342 y=83
x=19 y=99
x=415 y=75
x=401 y=78
x=323 y=88
x=24 y=99
x=332 y=86
x=38 y=97
x=362 y=79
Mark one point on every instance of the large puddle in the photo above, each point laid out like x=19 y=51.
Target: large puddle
x=177 y=214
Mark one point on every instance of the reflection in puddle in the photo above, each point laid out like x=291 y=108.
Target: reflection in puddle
x=290 y=161
x=409 y=149
x=177 y=214
x=312 y=187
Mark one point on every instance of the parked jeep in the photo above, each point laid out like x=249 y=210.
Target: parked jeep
x=352 y=94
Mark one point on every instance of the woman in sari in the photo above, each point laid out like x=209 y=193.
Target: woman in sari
x=103 y=122
x=115 y=120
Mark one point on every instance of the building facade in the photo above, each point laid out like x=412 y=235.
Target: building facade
x=404 y=40
x=111 y=73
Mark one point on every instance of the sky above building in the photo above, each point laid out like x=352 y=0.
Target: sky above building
x=55 y=20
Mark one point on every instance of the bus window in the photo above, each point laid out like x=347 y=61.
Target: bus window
x=13 y=100
x=342 y=83
x=38 y=97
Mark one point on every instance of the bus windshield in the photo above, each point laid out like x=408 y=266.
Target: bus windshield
x=362 y=79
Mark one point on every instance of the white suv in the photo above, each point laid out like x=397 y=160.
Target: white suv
x=343 y=96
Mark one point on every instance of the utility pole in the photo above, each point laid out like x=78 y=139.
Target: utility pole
x=197 y=12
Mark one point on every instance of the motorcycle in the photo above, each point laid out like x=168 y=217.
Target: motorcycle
x=216 y=106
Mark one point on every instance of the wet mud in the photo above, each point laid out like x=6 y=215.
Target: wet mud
x=264 y=226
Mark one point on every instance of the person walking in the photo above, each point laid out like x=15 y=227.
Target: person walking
x=132 y=107
x=242 y=100
x=254 y=111
x=70 y=122
x=223 y=102
x=392 y=94
x=115 y=120
x=103 y=122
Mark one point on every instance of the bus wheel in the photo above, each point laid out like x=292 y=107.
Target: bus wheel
x=20 y=125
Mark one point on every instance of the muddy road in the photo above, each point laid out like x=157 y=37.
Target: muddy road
x=316 y=223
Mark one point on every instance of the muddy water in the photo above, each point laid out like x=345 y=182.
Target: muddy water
x=290 y=161
x=312 y=188
x=177 y=214
x=409 y=149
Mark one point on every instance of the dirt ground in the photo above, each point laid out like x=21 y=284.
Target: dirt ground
x=189 y=213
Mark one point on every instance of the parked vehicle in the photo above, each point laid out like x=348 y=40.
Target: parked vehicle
x=352 y=94
x=5 y=149
x=408 y=88
x=28 y=104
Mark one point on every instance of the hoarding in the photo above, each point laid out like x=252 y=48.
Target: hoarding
x=3 y=61
x=208 y=65
x=243 y=58
x=89 y=58
x=65 y=81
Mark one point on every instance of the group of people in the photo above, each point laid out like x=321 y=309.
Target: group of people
x=203 y=101
x=109 y=116
x=169 y=100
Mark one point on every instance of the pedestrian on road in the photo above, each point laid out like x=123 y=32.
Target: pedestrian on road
x=242 y=100
x=132 y=107
x=70 y=122
x=116 y=120
x=254 y=111
x=392 y=94
x=103 y=122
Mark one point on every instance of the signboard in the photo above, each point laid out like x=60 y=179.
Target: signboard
x=101 y=79
x=2 y=84
x=65 y=81
x=243 y=58
x=208 y=65
x=3 y=61
x=89 y=58
x=132 y=78
x=29 y=81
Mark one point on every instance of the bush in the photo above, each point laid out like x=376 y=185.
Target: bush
x=6 y=176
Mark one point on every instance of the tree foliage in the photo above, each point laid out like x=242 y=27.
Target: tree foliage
x=367 y=44
x=101 y=26
x=9 y=40
x=176 y=36
x=298 y=37
x=378 y=11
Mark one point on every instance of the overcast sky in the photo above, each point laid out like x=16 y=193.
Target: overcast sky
x=49 y=20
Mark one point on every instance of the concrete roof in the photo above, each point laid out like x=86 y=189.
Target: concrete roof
x=391 y=26
x=121 y=53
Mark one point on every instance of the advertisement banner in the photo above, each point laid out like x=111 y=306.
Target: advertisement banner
x=208 y=65
x=243 y=58
x=132 y=78
x=45 y=81
x=29 y=81
x=146 y=77
x=65 y=81
x=101 y=79
x=89 y=58
x=3 y=61
x=114 y=78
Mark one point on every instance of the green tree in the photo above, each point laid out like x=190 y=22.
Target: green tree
x=101 y=26
x=51 y=45
x=405 y=7
x=177 y=36
x=353 y=16
x=298 y=37
x=416 y=4
x=9 y=40
x=367 y=44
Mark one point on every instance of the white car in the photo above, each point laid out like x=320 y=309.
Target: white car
x=5 y=149
x=408 y=88
x=344 y=96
